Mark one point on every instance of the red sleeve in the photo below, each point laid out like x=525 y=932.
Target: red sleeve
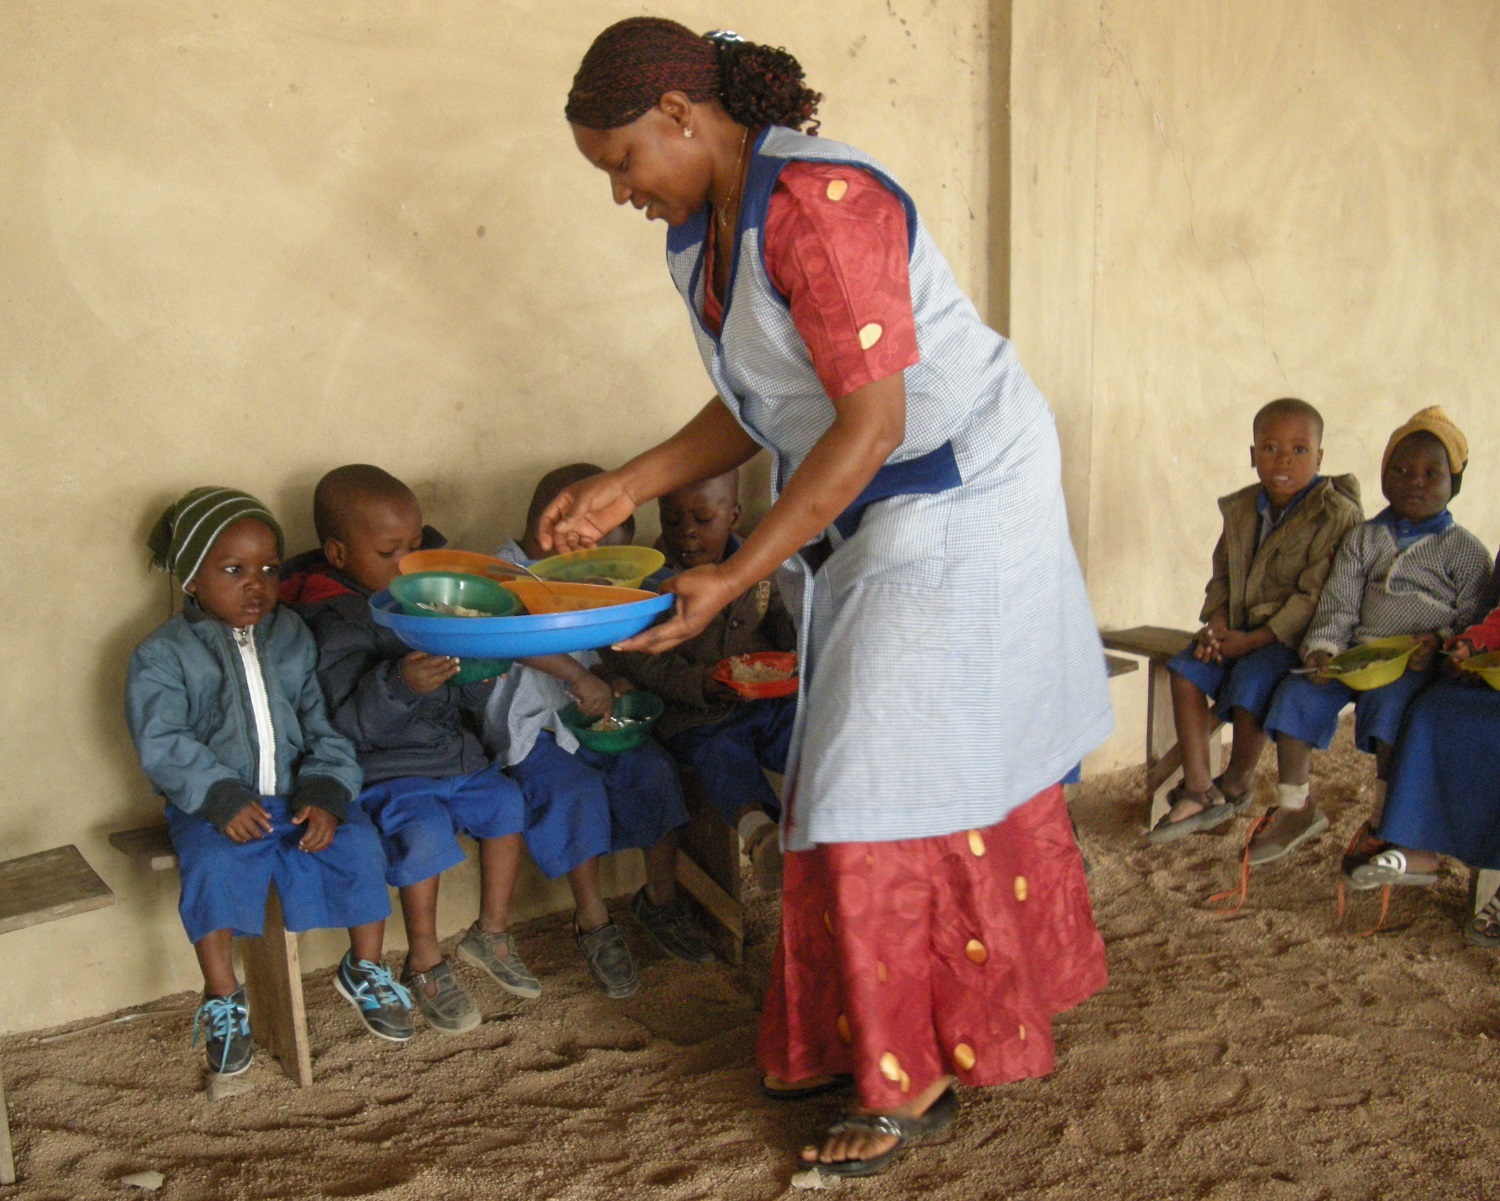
x=836 y=248
x=1486 y=635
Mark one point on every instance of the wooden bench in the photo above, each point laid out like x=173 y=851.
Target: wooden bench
x=1157 y=645
x=35 y=889
x=708 y=868
x=273 y=969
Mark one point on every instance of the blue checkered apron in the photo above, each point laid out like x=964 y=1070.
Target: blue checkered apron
x=951 y=668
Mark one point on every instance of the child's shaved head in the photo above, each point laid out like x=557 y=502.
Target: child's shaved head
x=342 y=489
x=725 y=487
x=1289 y=406
x=547 y=489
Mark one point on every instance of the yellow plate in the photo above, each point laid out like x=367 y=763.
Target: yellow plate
x=547 y=597
x=1373 y=664
x=621 y=566
x=1486 y=667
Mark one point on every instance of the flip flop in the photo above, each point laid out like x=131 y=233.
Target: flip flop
x=1215 y=813
x=905 y=1131
x=1390 y=867
x=1483 y=928
x=801 y=1093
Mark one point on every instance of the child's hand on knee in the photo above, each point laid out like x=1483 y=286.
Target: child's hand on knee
x=320 y=827
x=250 y=823
x=1237 y=643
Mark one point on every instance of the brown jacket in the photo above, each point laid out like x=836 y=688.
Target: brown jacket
x=757 y=621
x=1279 y=585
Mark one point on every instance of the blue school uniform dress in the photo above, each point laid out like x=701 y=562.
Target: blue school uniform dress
x=224 y=717
x=950 y=667
x=1444 y=790
x=427 y=777
x=579 y=802
x=1390 y=576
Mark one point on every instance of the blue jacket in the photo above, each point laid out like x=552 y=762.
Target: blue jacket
x=188 y=706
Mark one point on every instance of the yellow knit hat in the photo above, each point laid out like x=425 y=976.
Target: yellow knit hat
x=1434 y=421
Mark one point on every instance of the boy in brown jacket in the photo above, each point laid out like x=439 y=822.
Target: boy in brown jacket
x=722 y=736
x=1269 y=569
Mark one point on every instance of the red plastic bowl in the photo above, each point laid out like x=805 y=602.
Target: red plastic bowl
x=780 y=660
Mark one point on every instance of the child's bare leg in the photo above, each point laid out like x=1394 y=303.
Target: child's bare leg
x=1190 y=713
x=1293 y=760
x=584 y=881
x=1244 y=754
x=368 y=941
x=499 y=864
x=419 y=912
x=216 y=958
x=661 y=871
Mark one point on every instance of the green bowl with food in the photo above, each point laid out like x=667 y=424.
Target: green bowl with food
x=627 y=726
x=1373 y=664
x=457 y=595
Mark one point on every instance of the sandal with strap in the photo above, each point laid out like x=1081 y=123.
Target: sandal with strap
x=905 y=1131
x=1483 y=929
x=1363 y=847
x=1238 y=801
x=802 y=1092
x=1390 y=867
x=1215 y=812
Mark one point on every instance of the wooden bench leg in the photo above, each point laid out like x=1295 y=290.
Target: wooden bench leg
x=7 y=1155
x=273 y=984
x=1163 y=753
x=708 y=868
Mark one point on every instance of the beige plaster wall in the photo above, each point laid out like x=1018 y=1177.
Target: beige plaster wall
x=244 y=243
x=1253 y=198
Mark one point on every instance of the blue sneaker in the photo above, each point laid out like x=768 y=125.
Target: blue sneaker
x=227 y=1034
x=382 y=1004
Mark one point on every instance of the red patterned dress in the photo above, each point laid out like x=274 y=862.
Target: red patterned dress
x=903 y=961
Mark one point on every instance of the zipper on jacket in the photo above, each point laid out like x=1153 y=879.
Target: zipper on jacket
x=260 y=706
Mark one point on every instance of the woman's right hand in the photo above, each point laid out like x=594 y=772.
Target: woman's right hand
x=583 y=513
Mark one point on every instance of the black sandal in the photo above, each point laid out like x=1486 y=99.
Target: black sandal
x=905 y=1131
x=830 y=1084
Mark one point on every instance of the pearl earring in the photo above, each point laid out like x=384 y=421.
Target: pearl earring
x=687 y=133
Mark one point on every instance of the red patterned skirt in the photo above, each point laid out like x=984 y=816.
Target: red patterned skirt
x=900 y=962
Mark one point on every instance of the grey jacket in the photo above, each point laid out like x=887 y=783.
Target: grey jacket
x=188 y=705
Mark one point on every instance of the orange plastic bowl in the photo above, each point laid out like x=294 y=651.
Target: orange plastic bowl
x=559 y=597
x=762 y=690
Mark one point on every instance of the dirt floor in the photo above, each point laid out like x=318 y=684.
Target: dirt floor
x=1264 y=1056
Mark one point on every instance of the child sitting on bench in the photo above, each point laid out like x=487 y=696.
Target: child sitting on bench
x=228 y=720
x=725 y=738
x=1269 y=568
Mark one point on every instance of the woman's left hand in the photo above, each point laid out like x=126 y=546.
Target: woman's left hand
x=701 y=593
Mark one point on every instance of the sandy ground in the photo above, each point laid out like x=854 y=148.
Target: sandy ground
x=1265 y=1056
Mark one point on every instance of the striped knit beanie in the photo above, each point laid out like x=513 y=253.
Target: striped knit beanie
x=1432 y=420
x=182 y=537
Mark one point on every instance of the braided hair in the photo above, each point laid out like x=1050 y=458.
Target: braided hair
x=634 y=62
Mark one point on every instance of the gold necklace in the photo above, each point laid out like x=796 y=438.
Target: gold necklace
x=725 y=227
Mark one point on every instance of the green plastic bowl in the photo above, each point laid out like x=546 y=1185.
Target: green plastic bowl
x=643 y=708
x=455 y=588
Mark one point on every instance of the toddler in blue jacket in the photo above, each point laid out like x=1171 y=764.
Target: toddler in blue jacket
x=228 y=719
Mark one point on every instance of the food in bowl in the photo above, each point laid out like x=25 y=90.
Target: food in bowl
x=452 y=610
x=743 y=671
x=759 y=675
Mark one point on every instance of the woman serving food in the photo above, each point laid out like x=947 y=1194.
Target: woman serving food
x=934 y=914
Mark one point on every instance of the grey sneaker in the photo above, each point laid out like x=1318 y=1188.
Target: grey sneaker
x=227 y=1038
x=672 y=928
x=483 y=950
x=383 y=1005
x=609 y=959
x=1287 y=830
x=446 y=1007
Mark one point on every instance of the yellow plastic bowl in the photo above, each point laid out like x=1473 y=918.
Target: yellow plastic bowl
x=1486 y=667
x=1373 y=664
x=621 y=566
